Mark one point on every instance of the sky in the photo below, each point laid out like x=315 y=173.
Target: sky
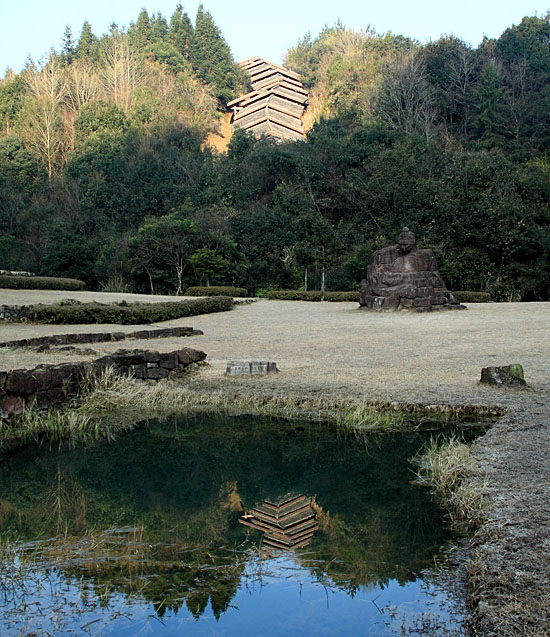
x=266 y=29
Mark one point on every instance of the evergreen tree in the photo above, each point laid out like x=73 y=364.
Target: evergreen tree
x=211 y=57
x=139 y=33
x=87 y=46
x=68 y=46
x=489 y=106
x=159 y=28
x=181 y=31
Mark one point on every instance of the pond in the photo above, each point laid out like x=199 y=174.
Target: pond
x=213 y=525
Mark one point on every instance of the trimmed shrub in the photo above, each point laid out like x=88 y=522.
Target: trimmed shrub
x=312 y=295
x=124 y=313
x=40 y=283
x=215 y=290
x=464 y=296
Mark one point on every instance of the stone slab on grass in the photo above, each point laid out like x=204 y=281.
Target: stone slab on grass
x=250 y=368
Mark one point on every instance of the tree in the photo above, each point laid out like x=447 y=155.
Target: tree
x=406 y=100
x=20 y=176
x=68 y=46
x=450 y=69
x=207 y=264
x=87 y=46
x=11 y=252
x=211 y=57
x=140 y=33
x=83 y=85
x=161 y=249
x=180 y=32
x=122 y=72
x=159 y=28
x=12 y=99
x=44 y=128
x=69 y=255
x=95 y=117
x=489 y=107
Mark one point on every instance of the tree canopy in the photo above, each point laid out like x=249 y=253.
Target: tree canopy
x=105 y=173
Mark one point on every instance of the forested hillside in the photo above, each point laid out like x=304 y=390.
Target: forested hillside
x=105 y=176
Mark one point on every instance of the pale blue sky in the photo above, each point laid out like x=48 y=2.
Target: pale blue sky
x=258 y=27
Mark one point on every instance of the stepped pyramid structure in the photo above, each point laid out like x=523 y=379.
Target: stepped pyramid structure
x=288 y=523
x=275 y=105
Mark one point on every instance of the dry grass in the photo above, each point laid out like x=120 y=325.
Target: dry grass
x=332 y=354
x=109 y=404
x=449 y=469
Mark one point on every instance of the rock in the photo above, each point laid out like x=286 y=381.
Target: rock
x=402 y=277
x=508 y=375
x=156 y=373
x=12 y=405
x=20 y=382
x=251 y=368
x=169 y=361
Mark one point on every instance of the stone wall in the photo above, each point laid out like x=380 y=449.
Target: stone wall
x=48 y=385
x=101 y=337
x=13 y=313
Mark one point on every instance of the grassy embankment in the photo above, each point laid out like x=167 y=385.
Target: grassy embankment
x=109 y=404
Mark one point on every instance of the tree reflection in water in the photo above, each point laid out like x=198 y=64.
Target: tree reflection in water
x=157 y=517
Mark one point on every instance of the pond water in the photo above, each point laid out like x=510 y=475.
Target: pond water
x=213 y=525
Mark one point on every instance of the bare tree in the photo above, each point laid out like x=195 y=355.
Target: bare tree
x=461 y=69
x=515 y=95
x=45 y=130
x=83 y=85
x=122 y=73
x=405 y=99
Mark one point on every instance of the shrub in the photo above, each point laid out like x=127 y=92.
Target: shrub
x=125 y=314
x=40 y=283
x=464 y=296
x=216 y=290
x=312 y=295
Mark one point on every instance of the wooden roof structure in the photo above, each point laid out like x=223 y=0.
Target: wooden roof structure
x=275 y=105
x=288 y=523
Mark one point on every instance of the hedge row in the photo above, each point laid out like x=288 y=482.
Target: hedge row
x=313 y=295
x=464 y=296
x=126 y=314
x=39 y=283
x=216 y=290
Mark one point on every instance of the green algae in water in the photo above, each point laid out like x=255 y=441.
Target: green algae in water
x=144 y=534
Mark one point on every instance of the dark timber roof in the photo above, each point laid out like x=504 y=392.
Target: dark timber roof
x=275 y=105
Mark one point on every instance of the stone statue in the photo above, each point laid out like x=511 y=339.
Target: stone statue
x=403 y=277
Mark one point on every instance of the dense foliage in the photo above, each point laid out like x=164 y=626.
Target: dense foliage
x=312 y=295
x=105 y=175
x=39 y=283
x=126 y=314
x=216 y=290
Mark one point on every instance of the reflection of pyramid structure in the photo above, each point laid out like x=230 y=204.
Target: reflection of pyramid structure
x=289 y=523
x=276 y=104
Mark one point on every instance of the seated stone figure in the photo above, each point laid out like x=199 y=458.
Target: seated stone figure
x=404 y=277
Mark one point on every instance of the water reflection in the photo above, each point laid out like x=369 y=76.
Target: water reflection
x=168 y=522
x=288 y=522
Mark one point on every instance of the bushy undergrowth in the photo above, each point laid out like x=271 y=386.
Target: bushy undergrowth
x=40 y=283
x=126 y=314
x=312 y=295
x=465 y=296
x=216 y=290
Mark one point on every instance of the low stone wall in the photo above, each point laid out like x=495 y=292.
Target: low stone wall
x=48 y=385
x=12 y=313
x=101 y=337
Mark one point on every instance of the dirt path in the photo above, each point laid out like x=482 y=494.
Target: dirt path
x=335 y=350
